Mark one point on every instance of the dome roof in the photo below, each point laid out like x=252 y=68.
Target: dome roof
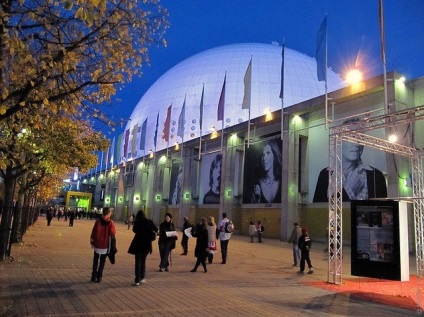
x=207 y=69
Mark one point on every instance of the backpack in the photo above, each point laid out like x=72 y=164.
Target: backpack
x=229 y=227
x=262 y=228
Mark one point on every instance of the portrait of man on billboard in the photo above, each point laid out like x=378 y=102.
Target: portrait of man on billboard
x=360 y=180
x=211 y=178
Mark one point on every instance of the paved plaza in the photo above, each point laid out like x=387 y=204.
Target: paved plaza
x=50 y=276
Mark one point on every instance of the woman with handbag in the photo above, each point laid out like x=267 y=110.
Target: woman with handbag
x=103 y=230
x=141 y=245
x=202 y=249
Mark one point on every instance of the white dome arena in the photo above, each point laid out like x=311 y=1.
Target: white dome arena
x=208 y=68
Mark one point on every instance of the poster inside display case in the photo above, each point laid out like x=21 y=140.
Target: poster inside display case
x=380 y=239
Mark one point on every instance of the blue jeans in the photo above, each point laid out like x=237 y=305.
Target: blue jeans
x=296 y=254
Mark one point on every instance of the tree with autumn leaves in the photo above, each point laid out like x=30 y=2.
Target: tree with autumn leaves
x=60 y=62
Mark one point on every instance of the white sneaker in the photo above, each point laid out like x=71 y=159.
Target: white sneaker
x=143 y=281
x=136 y=284
x=311 y=270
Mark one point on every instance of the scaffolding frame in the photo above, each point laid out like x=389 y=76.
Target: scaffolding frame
x=355 y=132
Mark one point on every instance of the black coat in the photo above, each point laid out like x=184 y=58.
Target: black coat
x=164 y=227
x=141 y=242
x=304 y=242
x=201 y=234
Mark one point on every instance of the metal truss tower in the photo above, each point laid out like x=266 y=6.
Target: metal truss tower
x=355 y=132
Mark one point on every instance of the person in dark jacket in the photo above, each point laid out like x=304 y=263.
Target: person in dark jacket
x=141 y=245
x=103 y=230
x=201 y=250
x=49 y=215
x=184 y=240
x=305 y=246
x=166 y=243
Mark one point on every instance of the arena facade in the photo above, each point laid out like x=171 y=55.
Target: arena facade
x=266 y=163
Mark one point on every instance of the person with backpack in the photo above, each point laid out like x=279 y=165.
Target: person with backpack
x=141 y=245
x=226 y=228
x=305 y=246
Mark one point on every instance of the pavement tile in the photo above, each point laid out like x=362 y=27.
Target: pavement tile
x=50 y=276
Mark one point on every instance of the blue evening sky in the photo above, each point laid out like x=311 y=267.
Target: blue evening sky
x=352 y=28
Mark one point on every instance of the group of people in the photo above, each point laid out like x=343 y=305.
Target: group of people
x=301 y=241
x=145 y=232
x=205 y=232
x=67 y=214
x=256 y=230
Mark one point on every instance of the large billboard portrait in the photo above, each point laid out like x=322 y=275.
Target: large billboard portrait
x=362 y=167
x=175 y=183
x=262 y=172
x=210 y=176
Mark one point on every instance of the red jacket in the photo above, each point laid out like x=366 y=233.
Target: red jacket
x=102 y=230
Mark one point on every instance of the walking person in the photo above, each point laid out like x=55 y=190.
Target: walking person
x=201 y=250
x=252 y=231
x=49 y=215
x=294 y=239
x=130 y=221
x=305 y=246
x=211 y=227
x=103 y=230
x=72 y=215
x=260 y=230
x=141 y=244
x=166 y=243
x=184 y=240
x=226 y=228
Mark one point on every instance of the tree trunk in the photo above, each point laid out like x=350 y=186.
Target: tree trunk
x=7 y=214
x=17 y=214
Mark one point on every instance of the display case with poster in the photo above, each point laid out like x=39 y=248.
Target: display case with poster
x=380 y=239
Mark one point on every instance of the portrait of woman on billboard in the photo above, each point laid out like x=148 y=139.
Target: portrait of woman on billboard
x=212 y=196
x=262 y=173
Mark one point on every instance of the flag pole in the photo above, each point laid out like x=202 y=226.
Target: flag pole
x=321 y=53
x=101 y=164
x=250 y=102
x=282 y=89
x=383 y=54
x=222 y=134
x=201 y=122
x=223 y=111
x=326 y=80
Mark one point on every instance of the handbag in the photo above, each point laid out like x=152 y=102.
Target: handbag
x=112 y=250
x=153 y=235
x=153 y=232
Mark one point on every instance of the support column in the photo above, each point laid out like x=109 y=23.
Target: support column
x=335 y=210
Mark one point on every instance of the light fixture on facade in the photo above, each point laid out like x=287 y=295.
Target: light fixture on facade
x=354 y=76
